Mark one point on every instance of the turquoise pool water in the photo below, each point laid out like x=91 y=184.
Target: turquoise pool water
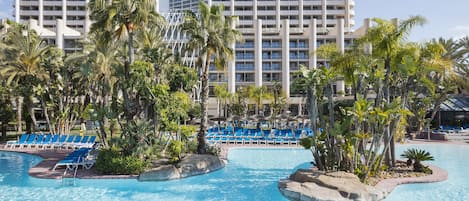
x=452 y=158
x=251 y=174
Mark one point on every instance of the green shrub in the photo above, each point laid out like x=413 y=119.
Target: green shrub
x=192 y=146
x=111 y=161
x=176 y=148
x=213 y=150
x=417 y=156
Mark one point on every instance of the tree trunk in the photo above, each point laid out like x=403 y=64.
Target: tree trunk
x=201 y=147
x=4 y=131
x=435 y=110
x=131 y=45
x=330 y=105
x=46 y=115
x=388 y=137
x=30 y=107
x=19 y=114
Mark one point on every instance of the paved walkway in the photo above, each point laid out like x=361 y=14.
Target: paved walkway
x=50 y=157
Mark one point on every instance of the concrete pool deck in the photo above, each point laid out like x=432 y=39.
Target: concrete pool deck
x=43 y=170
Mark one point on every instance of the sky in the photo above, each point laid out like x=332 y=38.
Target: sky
x=449 y=18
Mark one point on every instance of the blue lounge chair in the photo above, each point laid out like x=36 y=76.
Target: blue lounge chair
x=78 y=157
x=61 y=141
x=20 y=142
x=91 y=141
x=38 y=141
x=73 y=142
x=54 y=140
x=83 y=142
x=30 y=141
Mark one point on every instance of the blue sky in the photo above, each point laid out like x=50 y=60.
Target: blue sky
x=448 y=18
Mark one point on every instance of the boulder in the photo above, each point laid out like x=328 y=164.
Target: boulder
x=199 y=164
x=189 y=166
x=161 y=173
x=321 y=186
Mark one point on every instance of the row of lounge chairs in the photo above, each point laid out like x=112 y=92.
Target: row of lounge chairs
x=52 y=141
x=229 y=135
x=85 y=157
x=258 y=141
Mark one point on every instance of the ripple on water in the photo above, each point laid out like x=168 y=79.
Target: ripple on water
x=251 y=174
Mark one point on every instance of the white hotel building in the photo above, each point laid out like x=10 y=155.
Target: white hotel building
x=61 y=22
x=279 y=36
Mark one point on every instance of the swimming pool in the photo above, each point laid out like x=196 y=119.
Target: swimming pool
x=452 y=158
x=251 y=174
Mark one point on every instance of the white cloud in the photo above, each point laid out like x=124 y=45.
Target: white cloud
x=459 y=31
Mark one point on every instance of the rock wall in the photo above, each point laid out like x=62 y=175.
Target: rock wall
x=311 y=185
x=189 y=166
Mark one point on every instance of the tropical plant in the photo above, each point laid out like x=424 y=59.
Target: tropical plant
x=111 y=161
x=23 y=67
x=418 y=156
x=386 y=39
x=211 y=35
x=258 y=95
x=121 y=19
x=223 y=96
x=6 y=111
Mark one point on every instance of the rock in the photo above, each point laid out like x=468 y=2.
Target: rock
x=161 y=173
x=199 y=164
x=320 y=186
x=308 y=192
x=189 y=166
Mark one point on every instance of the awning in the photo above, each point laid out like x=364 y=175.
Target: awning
x=455 y=104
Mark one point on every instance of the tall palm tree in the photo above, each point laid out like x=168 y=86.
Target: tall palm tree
x=23 y=67
x=386 y=39
x=223 y=95
x=211 y=35
x=458 y=53
x=259 y=94
x=121 y=19
x=99 y=72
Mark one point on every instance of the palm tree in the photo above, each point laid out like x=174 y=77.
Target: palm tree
x=386 y=39
x=312 y=81
x=458 y=53
x=223 y=95
x=23 y=67
x=121 y=19
x=455 y=51
x=99 y=72
x=259 y=94
x=211 y=35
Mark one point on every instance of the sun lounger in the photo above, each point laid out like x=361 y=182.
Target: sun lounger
x=76 y=158
x=61 y=141
x=37 y=141
x=42 y=142
x=20 y=142
x=82 y=143
x=70 y=140
x=30 y=141
x=53 y=140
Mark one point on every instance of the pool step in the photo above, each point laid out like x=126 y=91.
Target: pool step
x=66 y=181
